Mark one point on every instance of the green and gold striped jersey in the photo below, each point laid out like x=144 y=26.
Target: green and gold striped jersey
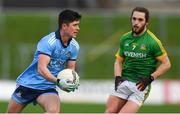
x=139 y=54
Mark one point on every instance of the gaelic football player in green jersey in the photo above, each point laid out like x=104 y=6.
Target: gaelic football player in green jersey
x=135 y=66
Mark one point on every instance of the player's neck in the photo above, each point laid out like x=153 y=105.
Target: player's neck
x=136 y=35
x=64 y=38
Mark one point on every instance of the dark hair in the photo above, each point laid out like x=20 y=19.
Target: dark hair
x=68 y=16
x=142 y=9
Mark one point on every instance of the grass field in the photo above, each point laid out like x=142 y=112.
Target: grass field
x=96 y=108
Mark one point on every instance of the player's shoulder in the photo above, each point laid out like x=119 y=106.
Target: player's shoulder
x=129 y=33
x=126 y=35
x=74 y=43
x=153 y=38
x=49 y=39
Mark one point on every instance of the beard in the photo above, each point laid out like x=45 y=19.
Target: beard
x=138 y=30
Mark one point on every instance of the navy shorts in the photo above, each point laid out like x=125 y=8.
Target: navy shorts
x=24 y=95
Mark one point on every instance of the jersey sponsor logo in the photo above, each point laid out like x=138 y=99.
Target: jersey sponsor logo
x=56 y=63
x=68 y=54
x=64 y=52
x=135 y=55
x=60 y=57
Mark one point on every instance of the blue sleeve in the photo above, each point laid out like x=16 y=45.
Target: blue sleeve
x=44 y=47
x=75 y=52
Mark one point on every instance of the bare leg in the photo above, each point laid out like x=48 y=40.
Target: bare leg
x=49 y=102
x=130 y=107
x=14 y=107
x=114 y=104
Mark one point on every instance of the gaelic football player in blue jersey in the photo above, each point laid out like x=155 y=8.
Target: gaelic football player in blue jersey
x=136 y=65
x=55 y=51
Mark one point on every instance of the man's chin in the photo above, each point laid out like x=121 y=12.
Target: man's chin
x=74 y=36
x=137 y=32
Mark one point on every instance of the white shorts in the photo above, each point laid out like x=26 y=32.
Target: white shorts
x=128 y=90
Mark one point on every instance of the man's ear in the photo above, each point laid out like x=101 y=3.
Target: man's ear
x=64 y=25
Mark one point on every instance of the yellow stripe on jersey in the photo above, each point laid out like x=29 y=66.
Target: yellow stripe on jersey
x=162 y=56
x=127 y=33
x=159 y=43
x=118 y=56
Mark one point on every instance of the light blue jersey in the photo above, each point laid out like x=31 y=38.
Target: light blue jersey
x=52 y=46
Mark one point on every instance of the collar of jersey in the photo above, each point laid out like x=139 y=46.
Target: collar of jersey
x=138 y=36
x=57 y=33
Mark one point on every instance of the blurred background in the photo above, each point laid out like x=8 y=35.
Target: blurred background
x=24 y=22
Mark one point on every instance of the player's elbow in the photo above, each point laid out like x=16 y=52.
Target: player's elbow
x=168 y=65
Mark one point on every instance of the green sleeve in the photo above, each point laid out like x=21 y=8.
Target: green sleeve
x=121 y=48
x=158 y=49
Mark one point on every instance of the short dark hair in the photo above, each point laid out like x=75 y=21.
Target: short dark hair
x=142 y=9
x=67 y=16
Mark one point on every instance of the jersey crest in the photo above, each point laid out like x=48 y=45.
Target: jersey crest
x=143 y=47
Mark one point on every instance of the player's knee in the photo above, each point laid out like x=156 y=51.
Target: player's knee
x=53 y=110
x=111 y=110
x=14 y=108
x=10 y=110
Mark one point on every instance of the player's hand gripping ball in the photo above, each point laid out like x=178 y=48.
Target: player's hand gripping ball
x=68 y=80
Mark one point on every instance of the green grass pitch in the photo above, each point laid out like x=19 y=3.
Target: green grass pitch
x=95 y=108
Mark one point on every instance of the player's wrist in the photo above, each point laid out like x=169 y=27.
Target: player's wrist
x=57 y=81
x=117 y=79
x=151 y=78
